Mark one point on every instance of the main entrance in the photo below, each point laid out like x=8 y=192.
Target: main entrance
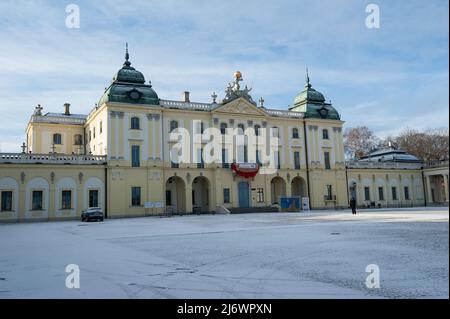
x=244 y=195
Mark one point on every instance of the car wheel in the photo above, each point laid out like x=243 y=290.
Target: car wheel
x=86 y=219
x=101 y=219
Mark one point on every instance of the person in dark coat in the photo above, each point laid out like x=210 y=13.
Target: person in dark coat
x=353 y=205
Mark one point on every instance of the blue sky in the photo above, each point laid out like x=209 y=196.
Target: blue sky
x=388 y=78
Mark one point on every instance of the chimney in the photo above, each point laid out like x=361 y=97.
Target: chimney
x=185 y=96
x=66 y=108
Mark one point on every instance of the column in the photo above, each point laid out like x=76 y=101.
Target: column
x=446 y=186
x=429 y=195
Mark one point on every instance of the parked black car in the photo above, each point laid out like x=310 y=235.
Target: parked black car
x=93 y=213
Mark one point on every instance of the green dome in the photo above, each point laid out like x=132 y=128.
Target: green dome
x=129 y=74
x=128 y=86
x=312 y=103
x=309 y=94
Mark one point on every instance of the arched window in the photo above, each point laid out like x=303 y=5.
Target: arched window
x=241 y=129
x=173 y=125
x=57 y=138
x=325 y=134
x=135 y=123
x=257 y=129
x=78 y=140
x=295 y=132
x=223 y=128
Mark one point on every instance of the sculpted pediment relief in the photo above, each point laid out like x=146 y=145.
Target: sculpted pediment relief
x=240 y=106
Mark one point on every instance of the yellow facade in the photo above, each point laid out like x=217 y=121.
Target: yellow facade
x=125 y=154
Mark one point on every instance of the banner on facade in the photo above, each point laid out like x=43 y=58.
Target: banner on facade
x=246 y=170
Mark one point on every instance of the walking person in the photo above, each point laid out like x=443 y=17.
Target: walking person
x=353 y=205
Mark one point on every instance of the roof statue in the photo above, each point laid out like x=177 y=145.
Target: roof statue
x=233 y=90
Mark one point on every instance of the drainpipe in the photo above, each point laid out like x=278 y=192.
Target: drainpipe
x=106 y=190
x=307 y=164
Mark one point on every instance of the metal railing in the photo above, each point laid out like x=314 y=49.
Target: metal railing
x=51 y=158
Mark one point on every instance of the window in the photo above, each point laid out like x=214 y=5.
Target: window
x=78 y=139
x=327 y=160
x=367 y=193
x=328 y=192
x=275 y=132
x=240 y=154
x=66 y=200
x=57 y=138
x=173 y=125
x=174 y=165
x=93 y=131
x=260 y=195
x=297 y=160
x=406 y=189
x=223 y=128
x=295 y=132
x=241 y=129
x=135 y=196
x=277 y=159
x=6 y=201
x=135 y=156
x=36 y=200
x=200 y=162
x=394 y=193
x=101 y=127
x=93 y=198
x=135 y=123
x=90 y=135
x=226 y=195
x=380 y=193
x=257 y=130
x=325 y=134
x=225 y=163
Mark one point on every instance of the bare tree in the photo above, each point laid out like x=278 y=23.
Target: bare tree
x=359 y=141
x=428 y=145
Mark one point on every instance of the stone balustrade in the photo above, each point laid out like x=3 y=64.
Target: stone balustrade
x=26 y=158
x=383 y=165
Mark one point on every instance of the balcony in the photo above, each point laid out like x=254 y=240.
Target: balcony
x=25 y=158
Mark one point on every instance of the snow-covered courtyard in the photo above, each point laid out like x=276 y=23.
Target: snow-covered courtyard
x=269 y=255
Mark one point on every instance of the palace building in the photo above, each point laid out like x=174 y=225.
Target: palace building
x=118 y=157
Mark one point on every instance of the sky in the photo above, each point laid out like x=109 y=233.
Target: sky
x=386 y=78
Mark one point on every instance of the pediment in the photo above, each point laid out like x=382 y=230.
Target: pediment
x=240 y=106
